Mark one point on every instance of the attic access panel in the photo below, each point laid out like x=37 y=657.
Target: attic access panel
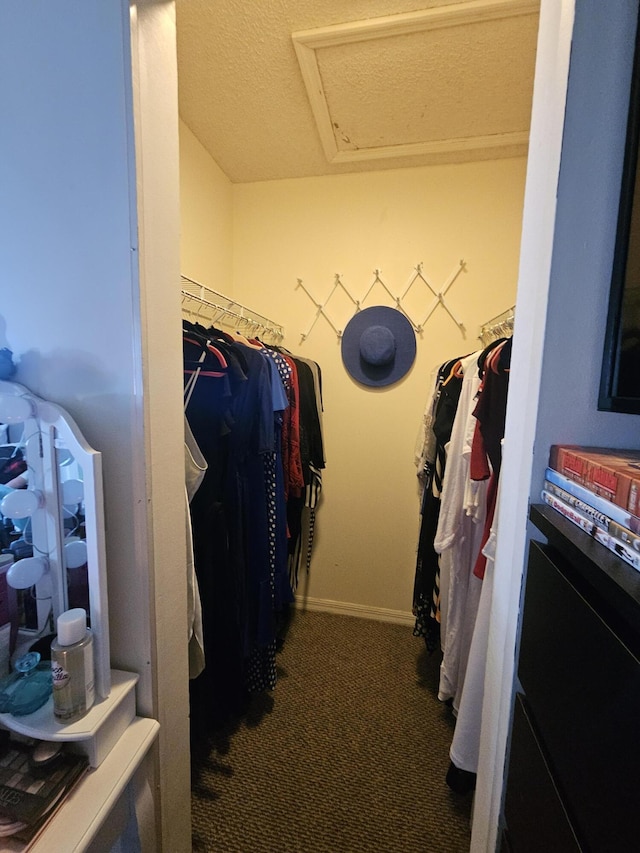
x=450 y=78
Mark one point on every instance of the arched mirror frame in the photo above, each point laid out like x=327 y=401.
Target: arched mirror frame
x=47 y=432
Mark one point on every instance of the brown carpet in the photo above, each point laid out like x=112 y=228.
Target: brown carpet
x=348 y=755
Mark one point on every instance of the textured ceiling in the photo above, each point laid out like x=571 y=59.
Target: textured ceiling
x=388 y=83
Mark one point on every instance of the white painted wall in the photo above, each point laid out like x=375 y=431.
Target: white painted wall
x=155 y=103
x=313 y=228
x=562 y=306
x=69 y=295
x=206 y=226
x=73 y=313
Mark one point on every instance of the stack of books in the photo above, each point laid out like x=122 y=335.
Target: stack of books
x=598 y=489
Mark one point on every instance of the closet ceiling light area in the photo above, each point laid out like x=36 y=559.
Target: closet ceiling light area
x=300 y=87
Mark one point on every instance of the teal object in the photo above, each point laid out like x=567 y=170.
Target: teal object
x=27 y=688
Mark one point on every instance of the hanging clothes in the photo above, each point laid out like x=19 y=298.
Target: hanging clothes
x=246 y=410
x=195 y=469
x=490 y=413
x=465 y=535
x=457 y=541
x=214 y=407
x=274 y=591
x=302 y=502
x=431 y=461
x=465 y=746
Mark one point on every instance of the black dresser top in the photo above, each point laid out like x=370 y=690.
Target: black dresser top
x=608 y=575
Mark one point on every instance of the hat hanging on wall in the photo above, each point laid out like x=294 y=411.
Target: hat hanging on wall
x=378 y=346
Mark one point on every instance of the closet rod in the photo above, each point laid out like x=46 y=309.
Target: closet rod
x=225 y=308
x=499 y=325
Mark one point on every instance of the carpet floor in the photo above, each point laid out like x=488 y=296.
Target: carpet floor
x=347 y=755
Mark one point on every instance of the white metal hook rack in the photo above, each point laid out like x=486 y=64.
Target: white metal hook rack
x=200 y=301
x=417 y=275
x=438 y=294
x=337 y=283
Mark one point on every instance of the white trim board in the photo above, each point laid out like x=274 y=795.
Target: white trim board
x=362 y=611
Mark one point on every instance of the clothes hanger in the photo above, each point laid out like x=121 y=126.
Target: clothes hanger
x=240 y=338
x=222 y=335
x=484 y=355
x=207 y=346
x=454 y=372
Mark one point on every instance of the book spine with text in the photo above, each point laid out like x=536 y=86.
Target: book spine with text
x=617 y=530
x=616 y=546
x=613 y=475
x=597 y=502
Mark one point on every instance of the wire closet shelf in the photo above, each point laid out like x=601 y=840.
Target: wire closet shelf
x=202 y=303
x=500 y=326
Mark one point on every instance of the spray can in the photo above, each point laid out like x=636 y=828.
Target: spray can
x=72 y=666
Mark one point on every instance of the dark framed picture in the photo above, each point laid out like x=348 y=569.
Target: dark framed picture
x=620 y=380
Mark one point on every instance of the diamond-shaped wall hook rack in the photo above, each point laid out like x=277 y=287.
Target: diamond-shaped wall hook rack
x=416 y=276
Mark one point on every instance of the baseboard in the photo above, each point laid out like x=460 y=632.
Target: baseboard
x=381 y=614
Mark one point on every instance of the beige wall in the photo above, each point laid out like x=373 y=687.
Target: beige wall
x=313 y=228
x=352 y=225
x=206 y=239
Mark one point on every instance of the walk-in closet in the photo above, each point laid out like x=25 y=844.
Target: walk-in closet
x=409 y=201
x=165 y=162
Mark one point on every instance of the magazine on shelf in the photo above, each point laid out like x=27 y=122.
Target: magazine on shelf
x=610 y=510
x=616 y=546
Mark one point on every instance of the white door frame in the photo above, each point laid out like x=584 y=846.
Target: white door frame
x=543 y=168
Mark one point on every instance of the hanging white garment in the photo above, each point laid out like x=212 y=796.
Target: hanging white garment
x=195 y=466
x=465 y=747
x=458 y=541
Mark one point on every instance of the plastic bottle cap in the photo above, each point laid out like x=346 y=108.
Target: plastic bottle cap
x=72 y=626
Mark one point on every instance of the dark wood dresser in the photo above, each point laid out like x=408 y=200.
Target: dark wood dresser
x=573 y=779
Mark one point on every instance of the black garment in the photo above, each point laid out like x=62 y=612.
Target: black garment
x=426 y=583
x=231 y=417
x=460 y=781
x=219 y=690
x=311 y=444
x=313 y=461
x=491 y=408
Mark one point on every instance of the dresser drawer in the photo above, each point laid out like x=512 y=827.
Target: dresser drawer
x=534 y=814
x=582 y=686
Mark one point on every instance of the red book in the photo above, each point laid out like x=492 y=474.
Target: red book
x=611 y=473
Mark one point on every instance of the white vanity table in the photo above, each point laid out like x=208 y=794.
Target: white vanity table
x=65 y=529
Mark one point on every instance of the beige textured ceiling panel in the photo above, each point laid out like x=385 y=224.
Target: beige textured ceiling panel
x=242 y=94
x=429 y=86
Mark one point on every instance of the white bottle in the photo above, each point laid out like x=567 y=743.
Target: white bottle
x=72 y=666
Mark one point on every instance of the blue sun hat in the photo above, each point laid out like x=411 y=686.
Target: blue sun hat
x=378 y=346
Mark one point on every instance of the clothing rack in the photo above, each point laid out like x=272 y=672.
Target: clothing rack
x=499 y=326
x=202 y=302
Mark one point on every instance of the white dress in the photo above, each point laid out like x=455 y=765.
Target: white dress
x=465 y=747
x=195 y=467
x=458 y=541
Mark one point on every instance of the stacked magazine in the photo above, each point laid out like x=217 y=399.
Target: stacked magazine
x=30 y=795
x=598 y=489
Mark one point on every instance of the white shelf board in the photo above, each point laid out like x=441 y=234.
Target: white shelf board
x=44 y=726
x=83 y=812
